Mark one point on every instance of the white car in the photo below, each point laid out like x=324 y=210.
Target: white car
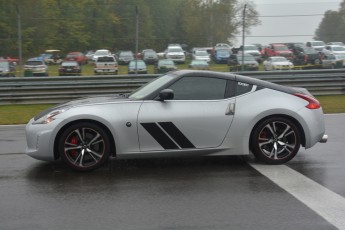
x=278 y=63
x=182 y=113
x=176 y=54
x=101 y=53
x=318 y=45
x=333 y=61
x=334 y=49
x=201 y=55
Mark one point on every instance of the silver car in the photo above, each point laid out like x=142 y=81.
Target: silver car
x=182 y=113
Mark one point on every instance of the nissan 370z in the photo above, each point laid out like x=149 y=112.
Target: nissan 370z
x=182 y=113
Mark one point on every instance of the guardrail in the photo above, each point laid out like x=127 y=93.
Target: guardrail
x=39 y=90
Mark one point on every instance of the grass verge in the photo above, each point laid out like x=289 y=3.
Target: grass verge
x=21 y=114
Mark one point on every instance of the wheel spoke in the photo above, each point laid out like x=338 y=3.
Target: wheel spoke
x=284 y=132
x=271 y=129
x=91 y=152
x=79 y=135
x=265 y=143
x=94 y=139
x=72 y=148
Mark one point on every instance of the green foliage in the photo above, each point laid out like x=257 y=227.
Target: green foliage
x=94 y=24
x=332 y=26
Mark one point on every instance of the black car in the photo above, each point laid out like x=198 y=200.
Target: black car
x=7 y=69
x=69 y=68
x=304 y=55
x=150 y=57
x=124 y=57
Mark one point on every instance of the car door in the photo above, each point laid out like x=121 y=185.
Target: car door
x=198 y=117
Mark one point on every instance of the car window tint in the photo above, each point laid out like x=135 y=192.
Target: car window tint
x=199 y=88
x=243 y=88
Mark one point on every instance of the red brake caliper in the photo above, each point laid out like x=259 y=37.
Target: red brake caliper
x=74 y=152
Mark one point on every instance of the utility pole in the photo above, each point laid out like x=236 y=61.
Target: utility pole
x=243 y=32
x=136 y=38
x=19 y=41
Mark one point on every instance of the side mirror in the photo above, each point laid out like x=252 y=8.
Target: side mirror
x=166 y=94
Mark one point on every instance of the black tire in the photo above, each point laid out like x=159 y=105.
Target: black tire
x=84 y=146
x=275 y=140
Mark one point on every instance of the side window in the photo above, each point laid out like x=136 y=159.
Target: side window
x=243 y=88
x=199 y=88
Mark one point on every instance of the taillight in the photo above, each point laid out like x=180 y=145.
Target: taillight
x=312 y=102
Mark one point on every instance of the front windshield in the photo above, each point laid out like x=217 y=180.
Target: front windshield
x=250 y=48
x=246 y=58
x=3 y=64
x=338 y=48
x=281 y=48
x=149 y=88
x=279 y=59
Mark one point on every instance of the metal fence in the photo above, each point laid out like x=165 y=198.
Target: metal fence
x=39 y=90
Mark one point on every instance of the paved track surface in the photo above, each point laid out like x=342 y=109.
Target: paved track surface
x=188 y=193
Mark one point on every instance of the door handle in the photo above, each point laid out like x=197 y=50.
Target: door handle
x=230 y=110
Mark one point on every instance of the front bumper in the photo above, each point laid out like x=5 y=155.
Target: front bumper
x=40 y=144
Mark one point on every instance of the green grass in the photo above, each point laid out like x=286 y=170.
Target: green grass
x=21 y=114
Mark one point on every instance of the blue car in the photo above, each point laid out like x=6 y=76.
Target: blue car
x=221 y=56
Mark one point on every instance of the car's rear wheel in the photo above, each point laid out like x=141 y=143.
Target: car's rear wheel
x=84 y=146
x=275 y=140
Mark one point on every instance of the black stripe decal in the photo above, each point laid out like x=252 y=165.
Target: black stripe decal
x=157 y=133
x=176 y=134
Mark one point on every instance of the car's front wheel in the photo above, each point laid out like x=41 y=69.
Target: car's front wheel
x=275 y=140
x=84 y=146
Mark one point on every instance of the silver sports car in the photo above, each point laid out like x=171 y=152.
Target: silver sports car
x=183 y=113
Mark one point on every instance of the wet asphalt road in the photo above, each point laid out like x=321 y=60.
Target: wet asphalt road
x=189 y=193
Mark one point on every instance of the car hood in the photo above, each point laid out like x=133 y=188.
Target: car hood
x=281 y=63
x=84 y=102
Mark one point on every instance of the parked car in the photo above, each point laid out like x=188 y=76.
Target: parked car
x=52 y=57
x=333 y=49
x=165 y=65
x=176 y=54
x=304 y=55
x=35 y=67
x=221 y=56
x=124 y=57
x=199 y=64
x=137 y=66
x=76 y=56
x=7 y=68
x=150 y=57
x=278 y=63
x=318 y=45
x=101 y=53
x=106 y=65
x=336 y=43
x=201 y=55
x=69 y=68
x=89 y=54
x=252 y=50
x=182 y=113
x=276 y=49
x=249 y=63
x=333 y=61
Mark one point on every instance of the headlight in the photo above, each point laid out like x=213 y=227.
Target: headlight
x=49 y=117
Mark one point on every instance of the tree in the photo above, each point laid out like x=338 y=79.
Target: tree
x=332 y=26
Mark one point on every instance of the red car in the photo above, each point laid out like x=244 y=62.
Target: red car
x=76 y=56
x=278 y=50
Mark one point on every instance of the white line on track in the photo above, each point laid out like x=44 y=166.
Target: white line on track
x=323 y=201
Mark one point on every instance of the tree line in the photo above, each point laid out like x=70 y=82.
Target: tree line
x=332 y=26
x=94 y=24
